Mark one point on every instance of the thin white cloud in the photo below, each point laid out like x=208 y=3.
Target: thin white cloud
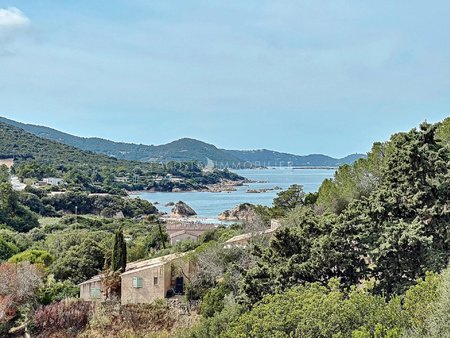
x=13 y=22
x=12 y=17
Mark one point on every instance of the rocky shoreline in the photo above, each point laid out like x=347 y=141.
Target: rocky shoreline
x=242 y=212
x=224 y=186
x=262 y=190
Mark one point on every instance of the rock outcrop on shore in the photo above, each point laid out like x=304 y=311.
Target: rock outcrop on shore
x=262 y=190
x=224 y=186
x=242 y=212
x=181 y=209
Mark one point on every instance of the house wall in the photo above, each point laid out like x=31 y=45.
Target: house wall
x=167 y=277
x=149 y=292
x=182 y=237
x=194 y=229
x=85 y=291
x=239 y=243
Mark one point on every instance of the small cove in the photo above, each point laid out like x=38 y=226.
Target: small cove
x=209 y=204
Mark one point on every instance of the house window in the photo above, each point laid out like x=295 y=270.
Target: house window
x=137 y=282
x=95 y=293
x=155 y=280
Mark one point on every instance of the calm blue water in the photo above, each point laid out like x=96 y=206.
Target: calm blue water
x=209 y=205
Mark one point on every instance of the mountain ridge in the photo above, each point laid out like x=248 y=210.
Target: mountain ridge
x=184 y=149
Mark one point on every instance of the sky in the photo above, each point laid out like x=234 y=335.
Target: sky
x=296 y=76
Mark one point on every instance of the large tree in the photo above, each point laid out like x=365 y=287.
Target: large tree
x=309 y=248
x=409 y=211
x=394 y=232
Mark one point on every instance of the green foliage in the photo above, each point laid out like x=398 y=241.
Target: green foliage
x=419 y=301
x=290 y=198
x=311 y=198
x=37 y=157
x=80 y=262
x=34 y=257
x=214 y=263
x=309 y=248
x=147 y=244
x=434 y=320
x=7 y=249
x=21 y=240
x=352 y=182
x=35 y=204
x=408 y=214
x=35 y=170
x=119 y=253
x=318 y=311
x=285 y=201
x=392 y=232
x=98 y=204
x=4 y=173
x=54 y=291
x=13 y=213
x=443 y=132
x=214 y=326
x=213 y=300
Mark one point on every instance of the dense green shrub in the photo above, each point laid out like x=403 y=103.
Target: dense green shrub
x=34 y=257
x=317 y=311
x=213 y=300
x=7 y=249
x=214 y=326
x=54 y=291
x=432 y=320
x=12 y=213
x=80 y=262
x=105 y=205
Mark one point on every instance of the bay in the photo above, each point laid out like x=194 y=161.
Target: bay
x=209 y=205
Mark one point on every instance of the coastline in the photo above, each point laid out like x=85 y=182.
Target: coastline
x=261 y=183
x=224 y=186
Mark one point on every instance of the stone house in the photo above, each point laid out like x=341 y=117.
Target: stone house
x=55 y=181
x=242 y=240
x=193 y=228
x=92 y=289
x=183 y=235
x=162 y=277
x=145 y=281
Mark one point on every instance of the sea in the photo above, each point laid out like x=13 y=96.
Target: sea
x=208 y=205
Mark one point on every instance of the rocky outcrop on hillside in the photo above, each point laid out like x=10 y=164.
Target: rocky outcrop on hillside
x=243 y=212
x=181 y=209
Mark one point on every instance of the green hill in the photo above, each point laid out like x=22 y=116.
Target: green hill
x=185 y=149
x=37 y=157
x=273 y=158
x=182 y=150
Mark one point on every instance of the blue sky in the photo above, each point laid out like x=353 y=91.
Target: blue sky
x=297 y=76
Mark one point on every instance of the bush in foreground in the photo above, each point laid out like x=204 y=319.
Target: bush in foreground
x=70 y=315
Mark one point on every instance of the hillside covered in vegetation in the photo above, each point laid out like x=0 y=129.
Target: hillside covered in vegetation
x=182 y=150
x=365 y=256
x=36 y=158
